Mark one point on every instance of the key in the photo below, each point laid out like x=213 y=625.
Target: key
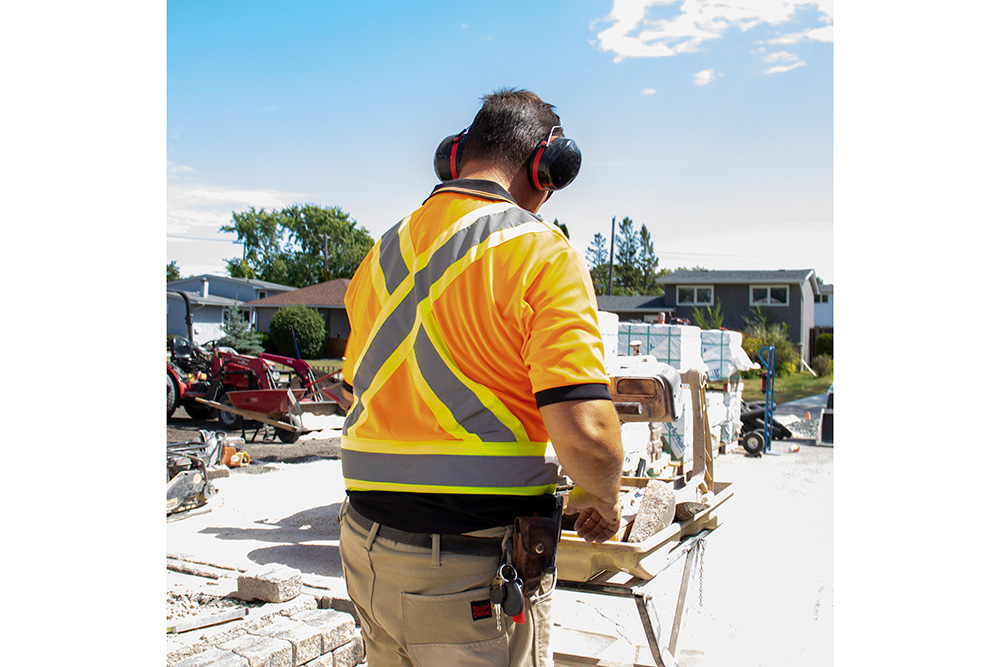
x=513 y=597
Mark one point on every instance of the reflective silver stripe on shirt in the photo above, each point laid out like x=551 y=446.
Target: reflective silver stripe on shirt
x=449 y=470
x=463 y=404
x=399 y=323
x=391 y=259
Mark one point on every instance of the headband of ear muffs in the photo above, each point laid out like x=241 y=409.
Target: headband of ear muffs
x=553 y=165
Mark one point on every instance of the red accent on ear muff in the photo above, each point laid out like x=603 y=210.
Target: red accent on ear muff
x=453 y=158
x=534 y=166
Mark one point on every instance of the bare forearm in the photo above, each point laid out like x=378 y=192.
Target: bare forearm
x=587 y=438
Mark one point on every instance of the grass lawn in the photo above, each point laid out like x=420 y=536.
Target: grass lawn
x=787 y=388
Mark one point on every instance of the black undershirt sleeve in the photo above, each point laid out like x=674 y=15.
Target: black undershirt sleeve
x=577 y=392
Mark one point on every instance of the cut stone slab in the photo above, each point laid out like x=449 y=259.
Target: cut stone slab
x=337 y=627
x=271 y=583
x=350 y=654
x=261 y=651
x=306 y=640
x=656 y=510
x=215 y=657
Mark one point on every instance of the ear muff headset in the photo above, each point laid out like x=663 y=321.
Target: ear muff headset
x=448 y=156
x=554 y=163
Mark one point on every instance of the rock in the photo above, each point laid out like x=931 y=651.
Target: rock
x=271 y=583
x=656 y=510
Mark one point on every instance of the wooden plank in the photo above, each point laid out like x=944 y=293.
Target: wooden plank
x=248 y=414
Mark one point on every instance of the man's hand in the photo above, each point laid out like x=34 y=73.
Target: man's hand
x=599 y=520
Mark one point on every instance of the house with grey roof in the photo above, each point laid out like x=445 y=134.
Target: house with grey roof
x=790 y=295
x=210 y=296
x=326 y=297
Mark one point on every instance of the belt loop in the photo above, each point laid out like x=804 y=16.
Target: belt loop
x=436 y=550
x=372 y=532
x=342 y=512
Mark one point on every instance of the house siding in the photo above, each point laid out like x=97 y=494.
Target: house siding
x=736 y=308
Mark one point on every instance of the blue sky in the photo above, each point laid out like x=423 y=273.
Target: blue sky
x=710 y=123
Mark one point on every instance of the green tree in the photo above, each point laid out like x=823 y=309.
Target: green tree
x=627 y=273
x=597 y=259
x=648 y=262
x=238 y=334
x=298 y=331
x=173 y=271
x=298 y=245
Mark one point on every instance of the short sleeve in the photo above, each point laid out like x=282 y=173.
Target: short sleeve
x=563 y=344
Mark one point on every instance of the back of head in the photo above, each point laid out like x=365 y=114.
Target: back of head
x=508 y=128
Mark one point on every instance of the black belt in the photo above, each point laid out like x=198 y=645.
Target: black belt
x=458 y=544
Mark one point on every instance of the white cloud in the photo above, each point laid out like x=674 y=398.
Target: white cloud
x=783 y=56
x=199 y=210
x=785 y=68
x=648 y=91
x=635 y=33
x=823 y=34
x=703 y=77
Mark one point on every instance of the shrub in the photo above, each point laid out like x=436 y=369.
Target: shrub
x=238 y=334
x=823 y=365
x=824 y=345
x=309 y=327
x=786 y=358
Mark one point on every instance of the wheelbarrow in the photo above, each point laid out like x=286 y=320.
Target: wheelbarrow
x=282 y=409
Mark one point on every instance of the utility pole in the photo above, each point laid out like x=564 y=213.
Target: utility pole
x=326 y=268
x=611 y=255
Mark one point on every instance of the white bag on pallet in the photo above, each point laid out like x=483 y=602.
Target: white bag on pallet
x=674 y=344
x=722 y=353
x=678 y=435
x=608 y=325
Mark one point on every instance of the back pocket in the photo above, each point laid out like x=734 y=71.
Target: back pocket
x=453 y=629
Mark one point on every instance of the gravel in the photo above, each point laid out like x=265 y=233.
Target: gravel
x=184 y=605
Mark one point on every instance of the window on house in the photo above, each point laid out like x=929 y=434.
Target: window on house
x=822 y=298
x=768 y=295
x=695 y=296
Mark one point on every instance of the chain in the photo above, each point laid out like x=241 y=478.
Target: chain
x=701 y=573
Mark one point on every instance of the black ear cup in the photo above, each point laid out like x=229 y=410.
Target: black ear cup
x=448 y=156
x=555 y=164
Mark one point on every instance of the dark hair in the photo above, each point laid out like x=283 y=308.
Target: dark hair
x=508 y=127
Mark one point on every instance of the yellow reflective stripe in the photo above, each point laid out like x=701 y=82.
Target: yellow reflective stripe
x=485 y=396
x=361 y=485
x=441 y=412
x=444 y=447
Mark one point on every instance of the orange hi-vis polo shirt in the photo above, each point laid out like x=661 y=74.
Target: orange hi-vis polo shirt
x=465 y=317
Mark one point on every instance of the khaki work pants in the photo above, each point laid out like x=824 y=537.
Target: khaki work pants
x=417 y=606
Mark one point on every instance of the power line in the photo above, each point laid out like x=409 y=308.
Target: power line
x=195 y=238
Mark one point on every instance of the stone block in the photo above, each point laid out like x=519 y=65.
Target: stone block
x=261 y=651
x=213 y=657
x=351 y=653
x=656 y=510
x=306 y=640
x=325 y=660
x=337 y=627
x=270 y=583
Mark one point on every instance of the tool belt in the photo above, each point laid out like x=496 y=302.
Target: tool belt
x=534 y=545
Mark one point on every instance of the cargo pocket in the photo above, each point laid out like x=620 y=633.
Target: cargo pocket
x=453 y=629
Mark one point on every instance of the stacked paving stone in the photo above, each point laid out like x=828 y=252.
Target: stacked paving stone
x=298 y=635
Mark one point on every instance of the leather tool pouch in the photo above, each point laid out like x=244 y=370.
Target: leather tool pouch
x=534 y=544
